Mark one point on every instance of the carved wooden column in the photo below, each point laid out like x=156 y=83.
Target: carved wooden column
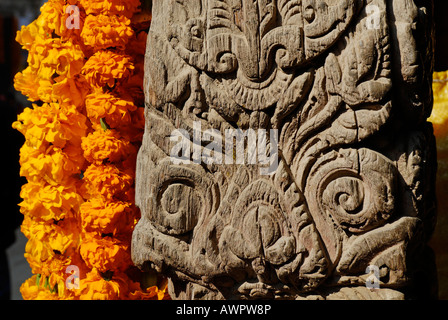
x=340 y=90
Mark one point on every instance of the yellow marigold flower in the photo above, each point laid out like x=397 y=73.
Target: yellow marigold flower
x=105 y=253
x=106 y=216
x=104 y=286
x=71 y=91
x=106 y=180
x=45 y=294
x=106 y=145
x=52 y=17
x=151 y=293
x=54 y=166
x=53 y=274
x=50 y=61
x=51 y=21
x=27 y=83
x=106 y=68
x=45 y=90
x=30 y=290
x=56 y=59
x=37 y=253
x=27 y=35
x=103 y=31
x=40 y=287
x=439 y=119
x=51 y=123
x=116 y=111
x=49 y=240
x=439 y=116
x=49 y=202
x=121 y=7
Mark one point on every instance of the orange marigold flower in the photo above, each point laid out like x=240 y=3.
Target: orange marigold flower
x=122 y=7
x=105 y=253
x=133 y=87
x=106 y=180
x=106 y=216
x=107 y=67
x=104 y=31
x=104 y=286
x=137 y=45
x=106 y=145
x=116 y=111
x=134 y=130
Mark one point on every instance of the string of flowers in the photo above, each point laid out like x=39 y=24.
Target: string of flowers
x=82 y=136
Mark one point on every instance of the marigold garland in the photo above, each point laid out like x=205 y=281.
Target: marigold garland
x=82 y=137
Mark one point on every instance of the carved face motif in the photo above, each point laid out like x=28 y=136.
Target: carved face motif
x=315 y=71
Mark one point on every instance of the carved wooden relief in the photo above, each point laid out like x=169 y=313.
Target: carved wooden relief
x=341 y=90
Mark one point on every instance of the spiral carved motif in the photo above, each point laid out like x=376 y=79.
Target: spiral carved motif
x=355 y=188
x=351 y=191
x=180 y=198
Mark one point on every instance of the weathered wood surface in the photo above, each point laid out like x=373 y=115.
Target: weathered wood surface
x=347 y=84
